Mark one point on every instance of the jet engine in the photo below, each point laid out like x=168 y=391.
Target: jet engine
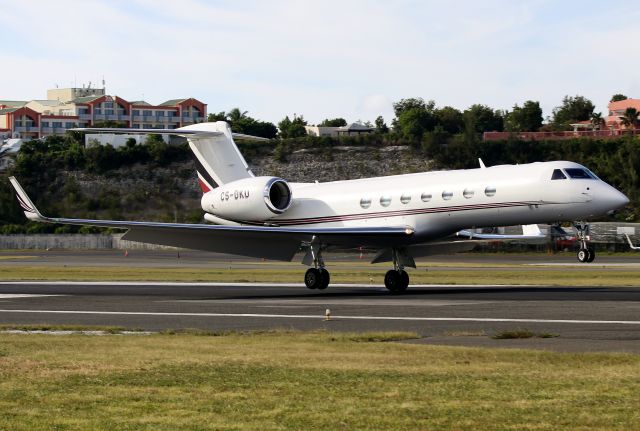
x=249 y=199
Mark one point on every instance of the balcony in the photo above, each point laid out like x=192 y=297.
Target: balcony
x=85 y=117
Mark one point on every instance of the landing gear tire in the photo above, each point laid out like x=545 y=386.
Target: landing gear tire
x=586 y=255
x=396 y=281
x=312 y=278
x=325 y=278
x=592 y=254
x=317 y=278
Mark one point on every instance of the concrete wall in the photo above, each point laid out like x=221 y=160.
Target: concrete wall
x=73 y=241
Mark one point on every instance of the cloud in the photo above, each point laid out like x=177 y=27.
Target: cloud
x=323 y=59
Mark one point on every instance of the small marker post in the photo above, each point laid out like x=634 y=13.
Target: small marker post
x=327 y=314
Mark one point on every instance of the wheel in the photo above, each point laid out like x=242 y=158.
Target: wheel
x=396 y=281
x=312 y=278
x=592 y=254
x=404 y=278
x=583 y=255
x=325 y=278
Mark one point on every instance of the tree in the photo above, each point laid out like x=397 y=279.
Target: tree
x=220 y=116
x=381 y=127
x=414 y=123
x=414 y=117
x=572 y=110
x=618 y=97
x=481 y=118
x=450 y=119
x=335 y=122
x=413 y=103
x=241 y=122
x=630 y=118
x=292 y=128
x=596 y=120
x=527 y=118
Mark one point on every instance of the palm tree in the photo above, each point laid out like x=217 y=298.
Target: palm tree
x=630 y=118
x=597 y=120
x=236 y=114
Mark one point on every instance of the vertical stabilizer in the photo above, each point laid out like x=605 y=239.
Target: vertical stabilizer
x=218 y=160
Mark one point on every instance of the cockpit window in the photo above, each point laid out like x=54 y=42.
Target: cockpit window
x=578 y=174
x=558 y=175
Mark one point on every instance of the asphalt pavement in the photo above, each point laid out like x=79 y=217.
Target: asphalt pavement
x=578 y=319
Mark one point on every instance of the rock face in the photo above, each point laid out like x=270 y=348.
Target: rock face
x=172 y=193
x=342 y=163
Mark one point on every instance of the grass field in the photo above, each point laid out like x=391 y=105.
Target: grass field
x=569 y=276
x=302 y=381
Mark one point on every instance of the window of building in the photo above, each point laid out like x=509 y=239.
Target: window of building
x=426 y=197
x=45 y=124
x=490 y=191
x=107 y=105
x=405 y=199
x=159 y=113
x=578 y=174
x=468 y=193
x=147 y=113
x=136 y=112
x=558 y=175
x=109 y=112
x=98 y=111
x=56 y=124
x=365 y=203
x=447 y=195
x=385 y=201
x=69 y=125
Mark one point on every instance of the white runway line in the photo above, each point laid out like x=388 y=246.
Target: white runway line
x=21 y=295
x=216 y=284
x=319 y=317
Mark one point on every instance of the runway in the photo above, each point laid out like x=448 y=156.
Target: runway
x=580 y=318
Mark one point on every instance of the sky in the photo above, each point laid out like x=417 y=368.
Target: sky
x=324 y=59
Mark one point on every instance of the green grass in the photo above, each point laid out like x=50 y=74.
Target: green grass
x=566 y=277
x=290 y=380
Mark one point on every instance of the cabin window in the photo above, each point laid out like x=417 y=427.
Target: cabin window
x=558 y=175
x=385 y=201
x=405 y=199
x=365 y=203
x=426 y=197
x=447 y=195
x=490 y=191
x=468 y=193
x=578 y=174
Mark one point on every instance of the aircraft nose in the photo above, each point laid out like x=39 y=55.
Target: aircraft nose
x=616 y=199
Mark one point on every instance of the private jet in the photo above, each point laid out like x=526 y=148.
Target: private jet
x=399 y=217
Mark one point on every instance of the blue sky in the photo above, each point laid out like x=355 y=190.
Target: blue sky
x=324 y=59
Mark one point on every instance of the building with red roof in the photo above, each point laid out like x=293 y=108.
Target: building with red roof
x=66 y=108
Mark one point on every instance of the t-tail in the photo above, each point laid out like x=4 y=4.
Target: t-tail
x=217 y=158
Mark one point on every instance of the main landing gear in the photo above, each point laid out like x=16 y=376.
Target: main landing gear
x=586 y=253
x=397 y=279
x=317 y=277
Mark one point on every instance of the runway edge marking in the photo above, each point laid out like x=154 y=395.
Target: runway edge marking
x=315 y=316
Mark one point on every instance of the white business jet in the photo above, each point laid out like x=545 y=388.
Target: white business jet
x=400 y=217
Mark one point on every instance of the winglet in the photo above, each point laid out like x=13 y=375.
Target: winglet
x=27 y=205
x=631 y=244
x=482 y=166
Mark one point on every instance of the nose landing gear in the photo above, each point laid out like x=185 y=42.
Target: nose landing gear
x=586 y=253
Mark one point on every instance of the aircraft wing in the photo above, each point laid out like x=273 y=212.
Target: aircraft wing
x=529 y=232
x=279 y=243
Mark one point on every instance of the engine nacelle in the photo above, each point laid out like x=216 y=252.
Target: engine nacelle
x=251 y=199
